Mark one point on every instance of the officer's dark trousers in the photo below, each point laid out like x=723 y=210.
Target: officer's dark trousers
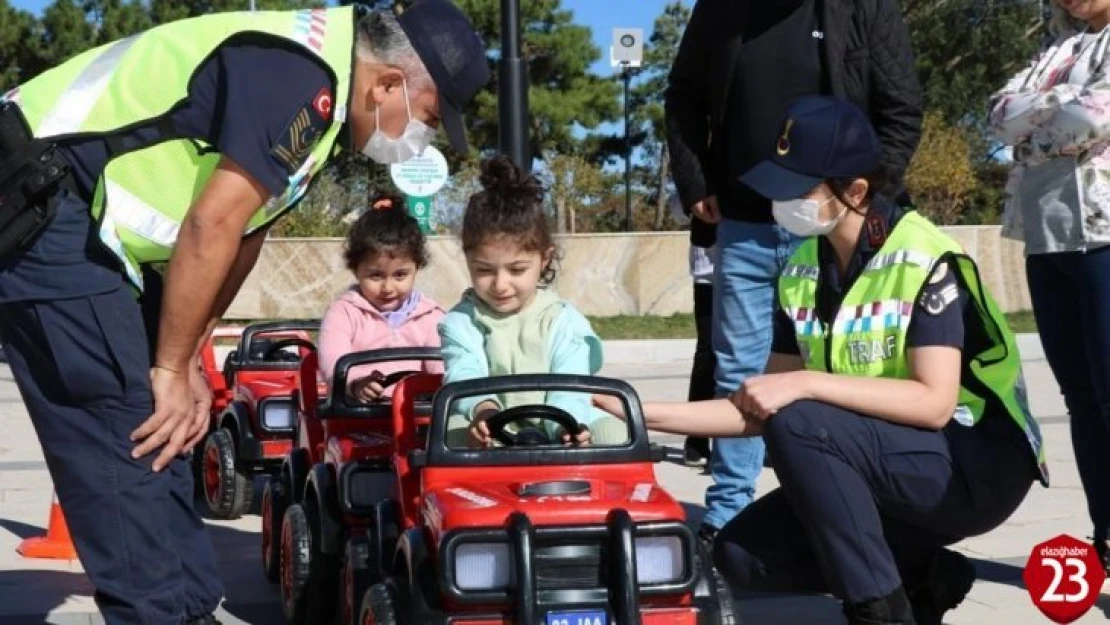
x=863 y=502
x=82 y=366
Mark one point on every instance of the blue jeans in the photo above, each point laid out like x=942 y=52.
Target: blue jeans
x=1071 y=302
x=750 y=258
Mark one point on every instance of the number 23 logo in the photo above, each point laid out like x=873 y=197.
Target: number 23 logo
x=1051 y=594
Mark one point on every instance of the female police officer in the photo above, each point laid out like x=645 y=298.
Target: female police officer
x=892 y=405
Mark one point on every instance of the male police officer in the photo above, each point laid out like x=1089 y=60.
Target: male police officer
x=182 y=144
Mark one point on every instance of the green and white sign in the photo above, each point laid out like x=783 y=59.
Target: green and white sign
x=421 y=209
x=420 y=178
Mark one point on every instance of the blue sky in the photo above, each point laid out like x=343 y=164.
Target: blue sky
x=600 y=15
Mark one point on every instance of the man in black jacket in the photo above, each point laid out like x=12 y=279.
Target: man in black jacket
x=739 y=64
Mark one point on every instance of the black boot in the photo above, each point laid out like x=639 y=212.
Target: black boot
x=204 y=620
x=1102 y=549
x=943 y=585
x=893 y=609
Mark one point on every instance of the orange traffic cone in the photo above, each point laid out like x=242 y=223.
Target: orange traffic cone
x=56 y=545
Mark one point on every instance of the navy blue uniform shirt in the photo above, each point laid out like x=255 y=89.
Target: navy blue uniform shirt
x=257 y=100
x=938 y=318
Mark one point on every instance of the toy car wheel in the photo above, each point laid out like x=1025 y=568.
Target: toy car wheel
x=307 y=575
x=296 y=563
x=227 y=490
x=274 y=503
x=378 y=607
x=357 y=576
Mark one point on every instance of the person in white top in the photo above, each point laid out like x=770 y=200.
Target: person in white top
x=1056 y=115
x=696 y=450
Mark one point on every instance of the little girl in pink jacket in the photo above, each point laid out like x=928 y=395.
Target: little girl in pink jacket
x=384 y=250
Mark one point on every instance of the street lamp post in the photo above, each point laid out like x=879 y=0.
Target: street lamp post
x=512 y=93
x=626 y=53
x=626 y=75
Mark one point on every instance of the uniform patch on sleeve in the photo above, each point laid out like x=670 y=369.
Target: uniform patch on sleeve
x=936 y=300
x=299 y=137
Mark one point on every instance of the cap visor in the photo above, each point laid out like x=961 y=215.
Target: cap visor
x=775 y=182
x=453 y=126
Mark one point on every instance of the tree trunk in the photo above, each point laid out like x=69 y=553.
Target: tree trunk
x=661 y=188
x=572 y=216
x=561 y=214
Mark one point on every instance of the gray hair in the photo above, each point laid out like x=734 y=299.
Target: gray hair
x=380 y=39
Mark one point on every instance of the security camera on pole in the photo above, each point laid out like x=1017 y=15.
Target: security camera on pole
x=626 y=54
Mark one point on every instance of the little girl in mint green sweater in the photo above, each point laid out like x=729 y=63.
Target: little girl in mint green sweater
x=507 y=323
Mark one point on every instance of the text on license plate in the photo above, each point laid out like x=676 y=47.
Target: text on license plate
x=577 y=618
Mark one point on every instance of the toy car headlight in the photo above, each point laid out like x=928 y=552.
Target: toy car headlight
x=483 y=566
x=277 y=414
x=659 y=559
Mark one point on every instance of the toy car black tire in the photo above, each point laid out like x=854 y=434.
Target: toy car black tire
x=378 y=607
x=307 y=575
x=296 y=563
x=274 y=503
x=227 y=490
x=357 y=576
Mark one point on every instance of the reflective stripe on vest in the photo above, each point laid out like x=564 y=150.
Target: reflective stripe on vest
x=72 y=109
x=128 y=211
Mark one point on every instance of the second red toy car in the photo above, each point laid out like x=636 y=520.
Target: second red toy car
x=254 y=431
x=329 y=490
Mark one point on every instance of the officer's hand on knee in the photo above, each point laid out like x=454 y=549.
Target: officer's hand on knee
x=172 y=423
x=202 y=408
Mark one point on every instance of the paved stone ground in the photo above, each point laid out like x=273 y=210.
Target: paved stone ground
x=59 y=593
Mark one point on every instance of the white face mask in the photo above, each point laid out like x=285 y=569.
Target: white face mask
x=388 y=150
x=800 y=217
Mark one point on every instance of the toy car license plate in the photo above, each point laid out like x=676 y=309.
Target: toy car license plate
x=578 y=618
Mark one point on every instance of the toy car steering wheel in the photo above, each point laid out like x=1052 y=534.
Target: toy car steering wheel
x=389 y=380
x=530 y=436
x=272 y=352
x=395 y=377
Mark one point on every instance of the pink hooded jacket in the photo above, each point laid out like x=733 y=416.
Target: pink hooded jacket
x=352 y=324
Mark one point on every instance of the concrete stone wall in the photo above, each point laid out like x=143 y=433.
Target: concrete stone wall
x=602 y=274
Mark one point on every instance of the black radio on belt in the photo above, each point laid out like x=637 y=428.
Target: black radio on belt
x=30 y=172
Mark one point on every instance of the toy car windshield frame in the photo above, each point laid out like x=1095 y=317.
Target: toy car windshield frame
x=240 y=357
x=337 y=406
x=637 y=449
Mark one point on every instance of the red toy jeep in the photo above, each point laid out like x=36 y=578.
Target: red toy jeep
x=213 y=371
x=335 y=477
x=534 y=531
x=254 y=431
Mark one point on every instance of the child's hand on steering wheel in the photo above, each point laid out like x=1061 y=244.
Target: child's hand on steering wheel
x=369 y=388
x=479 y=431
x=582 y=438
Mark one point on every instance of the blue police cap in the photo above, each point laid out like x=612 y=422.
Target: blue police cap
x=454 y=54
x=821 y=137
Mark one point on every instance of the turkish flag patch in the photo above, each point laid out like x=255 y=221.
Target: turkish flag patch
x=323 y=103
